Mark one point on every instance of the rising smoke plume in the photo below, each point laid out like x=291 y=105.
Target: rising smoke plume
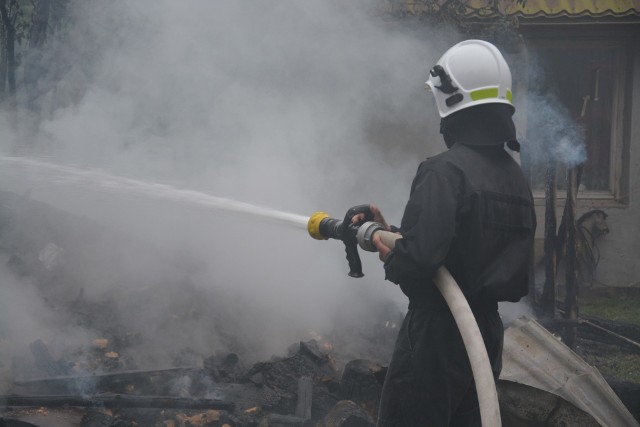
x=552 y=131
x=297 y=106
x=294 y=106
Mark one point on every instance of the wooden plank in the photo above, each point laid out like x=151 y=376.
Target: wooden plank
x=115 y=400
x=305 y=393
x=607 y=331
x=277 y=420
x=112 y=382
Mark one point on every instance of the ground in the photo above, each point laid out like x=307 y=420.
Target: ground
x=624 y=309
x=616 y=359
x=620 y=308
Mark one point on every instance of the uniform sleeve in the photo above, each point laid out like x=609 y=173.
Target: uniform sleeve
x=428 y=228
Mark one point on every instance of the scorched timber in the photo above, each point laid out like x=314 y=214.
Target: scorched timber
x=112 y=382
x=116 y=401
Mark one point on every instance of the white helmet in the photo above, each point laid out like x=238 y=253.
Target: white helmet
x=472 y=72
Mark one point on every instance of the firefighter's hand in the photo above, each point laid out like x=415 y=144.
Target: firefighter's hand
x=377 y=217
x=383 y=250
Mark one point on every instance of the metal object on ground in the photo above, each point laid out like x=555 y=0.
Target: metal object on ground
x=534 y=357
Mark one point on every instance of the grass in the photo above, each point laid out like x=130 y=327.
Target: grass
x=625 y=367
x=619 y=308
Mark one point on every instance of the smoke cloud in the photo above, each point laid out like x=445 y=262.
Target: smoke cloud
x=294 y=106
x=552 y=131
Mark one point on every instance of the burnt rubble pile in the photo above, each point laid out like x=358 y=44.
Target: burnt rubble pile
x=95 y=360
x=303 y=388
x=96 y=363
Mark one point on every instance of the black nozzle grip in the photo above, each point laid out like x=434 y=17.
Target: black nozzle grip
x=353 y=258
x=349 y=237
x=347 y=233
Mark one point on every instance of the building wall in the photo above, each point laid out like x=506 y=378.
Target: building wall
x=620 y=250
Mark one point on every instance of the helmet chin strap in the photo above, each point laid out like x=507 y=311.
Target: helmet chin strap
x=448 y=140
x=514 y=145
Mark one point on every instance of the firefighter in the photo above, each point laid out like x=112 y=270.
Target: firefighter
x=471 y=210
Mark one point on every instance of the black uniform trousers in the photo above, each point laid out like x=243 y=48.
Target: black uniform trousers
x=429 y=382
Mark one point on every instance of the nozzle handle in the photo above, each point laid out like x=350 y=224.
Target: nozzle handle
x=353 y=258
x=350 y=240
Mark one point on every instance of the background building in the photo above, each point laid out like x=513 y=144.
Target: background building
x=576 y=72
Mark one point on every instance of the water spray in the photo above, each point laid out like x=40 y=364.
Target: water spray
x=42 y=174
x=320 y=226
x=360 y=233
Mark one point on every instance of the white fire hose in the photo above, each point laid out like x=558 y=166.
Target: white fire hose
x=322 y=227
x=476 y=350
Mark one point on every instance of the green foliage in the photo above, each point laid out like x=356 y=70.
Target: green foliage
x=18 y=14
x=25 y=26
x=487 y=21
x=621 y=366
x=618 y=308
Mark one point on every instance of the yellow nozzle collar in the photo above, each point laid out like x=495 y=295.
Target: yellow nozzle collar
x=313 y=226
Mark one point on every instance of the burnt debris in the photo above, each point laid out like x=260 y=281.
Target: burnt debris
x=302 y=389
x=105 y=382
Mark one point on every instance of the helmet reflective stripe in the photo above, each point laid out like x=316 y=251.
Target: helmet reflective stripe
x=491 y=92
x=477 y=71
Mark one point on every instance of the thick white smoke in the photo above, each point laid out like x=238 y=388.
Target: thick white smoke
x=297 y=106
x=550 y=130
x=553 y=133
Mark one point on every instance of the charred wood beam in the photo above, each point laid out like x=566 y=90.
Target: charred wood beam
x=633 y=343
x=242 y=395
x=116 y=401
x=549 y=293
x=571 y=279
x=628 y=330
x=101 y=380
x=305 y=394
x=600 y=334
x=277 y=420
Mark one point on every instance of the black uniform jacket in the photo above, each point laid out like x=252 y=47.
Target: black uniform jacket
x=471 y=210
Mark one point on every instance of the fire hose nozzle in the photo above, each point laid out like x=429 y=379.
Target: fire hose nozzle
x=323 y=227
x=313 y=225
